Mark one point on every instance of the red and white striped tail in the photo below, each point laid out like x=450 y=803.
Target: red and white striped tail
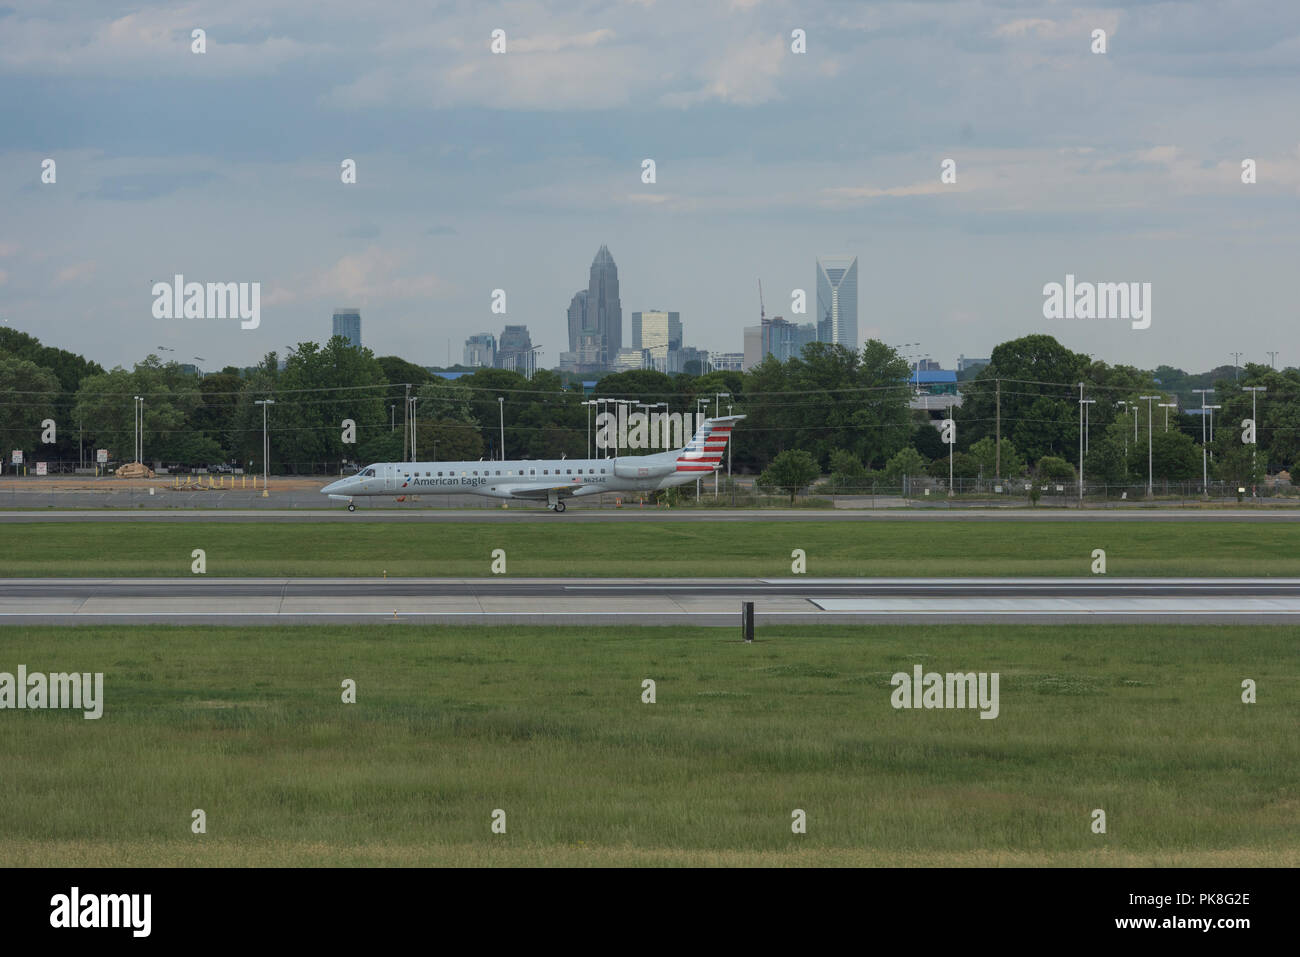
x=706 y=448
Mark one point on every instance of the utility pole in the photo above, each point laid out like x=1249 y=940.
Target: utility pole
x=997 y=453
x=1083 y=437
x=1236 y=358
x=1080 y=443
x=406 y=423
x=414 y=399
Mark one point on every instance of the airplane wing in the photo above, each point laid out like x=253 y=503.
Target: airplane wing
x=544 y=491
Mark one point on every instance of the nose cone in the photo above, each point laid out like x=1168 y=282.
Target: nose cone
x=334 y=486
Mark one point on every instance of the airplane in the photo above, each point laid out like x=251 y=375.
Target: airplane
x=552 y=480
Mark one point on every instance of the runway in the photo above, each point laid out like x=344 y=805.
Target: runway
x=557 y=601
x=634 y=514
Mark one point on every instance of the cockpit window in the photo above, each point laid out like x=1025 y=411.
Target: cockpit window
x=368 y=473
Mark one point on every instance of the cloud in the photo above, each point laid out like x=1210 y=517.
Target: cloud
x=743 y=75
x=151 y=41
x=132 y=187
x=554 y=43
x=374 y=274
x=8 y=249
x=875 y=192
x=75 y=272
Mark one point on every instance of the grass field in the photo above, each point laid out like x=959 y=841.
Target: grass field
x=548 y=725
x=713 y=549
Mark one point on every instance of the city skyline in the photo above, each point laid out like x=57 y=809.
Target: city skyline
x=476 y=172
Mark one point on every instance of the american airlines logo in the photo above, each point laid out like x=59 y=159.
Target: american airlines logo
x=658 y=430
x=213 y=300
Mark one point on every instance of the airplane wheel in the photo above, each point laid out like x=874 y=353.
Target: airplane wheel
x=351 y=507
x=559 y=506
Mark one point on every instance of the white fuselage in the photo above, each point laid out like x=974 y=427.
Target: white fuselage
x=508 y=479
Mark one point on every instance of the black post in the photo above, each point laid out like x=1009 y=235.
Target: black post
x=747 y=620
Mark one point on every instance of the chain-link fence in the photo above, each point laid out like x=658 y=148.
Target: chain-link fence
x=240 y=491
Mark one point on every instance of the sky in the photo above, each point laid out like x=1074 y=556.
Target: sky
x=478 y=171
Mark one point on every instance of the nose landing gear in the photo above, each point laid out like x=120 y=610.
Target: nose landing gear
x=351 y=507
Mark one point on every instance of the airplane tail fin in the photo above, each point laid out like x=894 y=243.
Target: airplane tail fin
x=704 y=453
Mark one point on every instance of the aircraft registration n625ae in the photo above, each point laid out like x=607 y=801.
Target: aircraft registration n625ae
x=551 y=480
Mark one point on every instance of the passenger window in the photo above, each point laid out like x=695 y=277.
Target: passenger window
x=568 y=471
x=532 y=471
x=602 y=471
x=545 y=472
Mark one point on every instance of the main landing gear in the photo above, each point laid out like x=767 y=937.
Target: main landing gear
x=557 y=507
x=351 y=507
x=554 y=502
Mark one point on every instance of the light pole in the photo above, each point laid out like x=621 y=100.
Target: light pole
x=1149 y=398
x=392 y=417
x=410 y=415
x=729 y=444
x=1125 y=404
x=1205 y=471
x=618 y=440
x=701 y=409
x=1212 y=408
x=1167 y=406
x=138 y=407
x=1083 y=435
x=501 y=409
x=588 y=403
x=717 y=409
x=266 y=441
x=1253 y=390
x=645 y=408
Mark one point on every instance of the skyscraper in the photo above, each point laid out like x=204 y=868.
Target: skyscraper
x=481 y=350
x=785 y=340
x=660 y=333
x=347 y=323
x=577 y=319
x=604 y=310
x=837 y=300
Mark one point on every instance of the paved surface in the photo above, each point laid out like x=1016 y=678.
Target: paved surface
x=635 y=514
x=646 y=601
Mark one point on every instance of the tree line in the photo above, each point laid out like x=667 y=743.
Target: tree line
x=846 y=413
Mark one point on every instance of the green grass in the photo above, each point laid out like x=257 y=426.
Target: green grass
x=548 y=724
x=670 y=549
